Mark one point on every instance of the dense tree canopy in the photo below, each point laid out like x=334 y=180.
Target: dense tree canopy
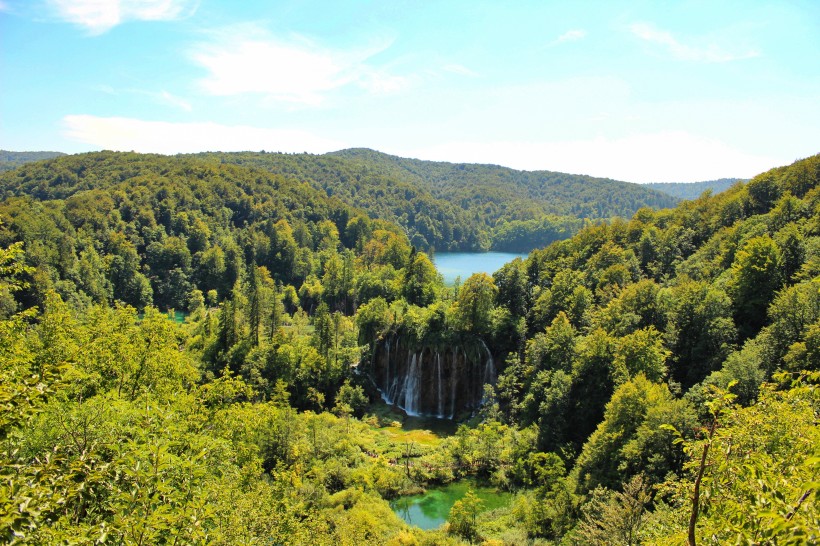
x=188 y=349
x=449 y=207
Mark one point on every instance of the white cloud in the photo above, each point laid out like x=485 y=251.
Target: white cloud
x=711 y=53
x=173 y=100
x=459 y=69
x=378 y=82
x=4 y=7
x=245 y=60
x=161 y=97
x=656 y=157
x=125 y=134
x=99 y=16
x=571 y=36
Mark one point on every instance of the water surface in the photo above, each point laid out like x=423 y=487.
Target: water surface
x=464 y=264
x=431 y=509
x=178 y=317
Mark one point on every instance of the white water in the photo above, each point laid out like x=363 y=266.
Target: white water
x=489 y=371
x=453 y=383
x=440 y=406
x=386 y=390
x=411 y=386
x=402 y=386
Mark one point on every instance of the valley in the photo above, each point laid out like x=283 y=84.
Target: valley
x=314 y=273
x=195 y=339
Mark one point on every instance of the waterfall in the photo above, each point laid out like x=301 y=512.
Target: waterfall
x=439 y=387
x=386 y=389
x=411 y=385
x=488 y=374
x=401 y=397
x=453 y=382
x=393 y=391
x=441 y=382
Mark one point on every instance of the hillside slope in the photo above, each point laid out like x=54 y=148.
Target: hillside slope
x=148 y=229
x=12 y=160
x=703 y=287
x=449 y=206
x=693 y=190
x=473 y=186
x=641 y=330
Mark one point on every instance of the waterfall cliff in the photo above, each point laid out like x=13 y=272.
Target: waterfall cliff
x=433 y=381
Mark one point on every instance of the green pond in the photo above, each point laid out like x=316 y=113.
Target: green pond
x=431 y=509
x=178 y=316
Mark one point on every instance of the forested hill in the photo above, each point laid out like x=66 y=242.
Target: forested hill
x=12 y=160
x=478 y=186
x=148 y=229
x=696 y=326
x=648 y=381
x=429 y=222
x=449 y=206
x=693 y=190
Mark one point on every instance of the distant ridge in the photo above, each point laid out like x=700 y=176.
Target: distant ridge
x=693 y=190
x=459 y=206
x=11 y=160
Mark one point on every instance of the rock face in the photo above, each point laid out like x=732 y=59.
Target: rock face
x=432 y=381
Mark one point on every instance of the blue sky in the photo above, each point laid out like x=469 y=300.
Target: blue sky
x=637 y=91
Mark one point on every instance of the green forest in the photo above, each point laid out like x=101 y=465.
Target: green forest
x=693 y=190
x=197 y=349
x=460 y=207
x=12 y=160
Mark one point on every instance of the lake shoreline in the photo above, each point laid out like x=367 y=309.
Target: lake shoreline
x=454 y=265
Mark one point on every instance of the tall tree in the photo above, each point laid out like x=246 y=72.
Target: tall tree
x=756 y=278
x=421 y=280
x=473 y=309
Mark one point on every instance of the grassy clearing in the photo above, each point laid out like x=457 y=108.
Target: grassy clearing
x=396 y=433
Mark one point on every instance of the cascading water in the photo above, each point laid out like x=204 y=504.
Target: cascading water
x=385 y=390
x=439 y=388
x=488 y=376
x=453 y=383
x=411 y=391
x=429 y=381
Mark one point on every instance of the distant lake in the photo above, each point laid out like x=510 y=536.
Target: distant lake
x=464 y=264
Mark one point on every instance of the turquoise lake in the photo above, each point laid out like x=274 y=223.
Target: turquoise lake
x=431 y=509
x=464 y=264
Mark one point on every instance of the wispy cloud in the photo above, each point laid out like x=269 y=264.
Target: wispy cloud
x=172 y=100
x=246 y=60
x=711 y=52
x=460 y=70
x=4 y=7
x=99 y=16
x=117 y=133
x=161 y=97
x=570 y=36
